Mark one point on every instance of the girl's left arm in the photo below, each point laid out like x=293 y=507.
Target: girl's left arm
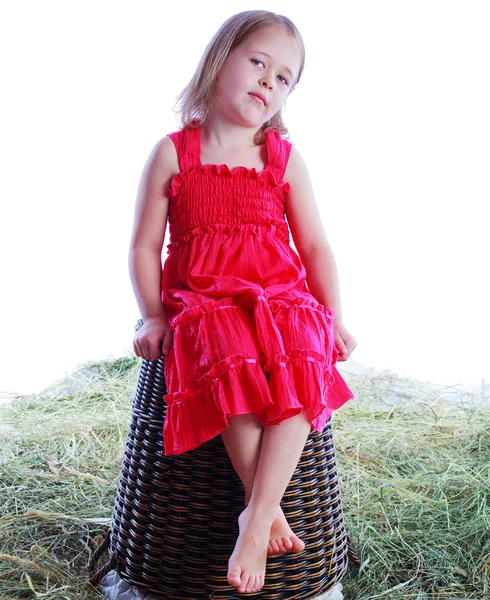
x=314 y=249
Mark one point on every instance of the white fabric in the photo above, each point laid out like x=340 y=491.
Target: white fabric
x=115 y=588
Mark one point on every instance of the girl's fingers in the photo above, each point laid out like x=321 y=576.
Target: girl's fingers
x=155 y=351
x=153 y=348
x=151 y=352
x=343 y=350
x=341 y=347
x=146 y=354
x=351 y=344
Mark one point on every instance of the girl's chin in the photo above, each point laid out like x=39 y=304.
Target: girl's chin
x=255 y=118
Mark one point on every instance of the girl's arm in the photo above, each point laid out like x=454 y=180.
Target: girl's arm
x=313 y=247
x=145 y=254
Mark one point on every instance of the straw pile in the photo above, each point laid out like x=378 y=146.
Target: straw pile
x=414 y=467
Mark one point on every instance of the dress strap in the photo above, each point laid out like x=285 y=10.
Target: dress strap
x=278 y=151
x=186 y=142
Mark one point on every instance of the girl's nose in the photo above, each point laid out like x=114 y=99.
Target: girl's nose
x=265 y=83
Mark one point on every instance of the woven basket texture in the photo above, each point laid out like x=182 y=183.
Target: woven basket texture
x=174 y=523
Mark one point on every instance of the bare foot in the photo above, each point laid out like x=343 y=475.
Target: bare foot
x=282 y=539
x=246 y=567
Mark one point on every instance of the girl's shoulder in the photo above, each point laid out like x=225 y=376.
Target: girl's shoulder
x=166 y=154
x=174 y=140
x=277 y=136
x=279 y=151
x=185 y=135
x=185 y=143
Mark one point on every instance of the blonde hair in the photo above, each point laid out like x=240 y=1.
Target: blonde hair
x=194 y=100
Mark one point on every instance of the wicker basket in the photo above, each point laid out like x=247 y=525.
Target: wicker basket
x=174 y=524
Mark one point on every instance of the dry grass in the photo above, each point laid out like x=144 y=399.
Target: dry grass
x=414 y=466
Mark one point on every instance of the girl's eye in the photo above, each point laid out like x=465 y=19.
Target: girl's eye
x=256 y=61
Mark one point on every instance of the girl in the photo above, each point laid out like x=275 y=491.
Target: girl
x=250 y=347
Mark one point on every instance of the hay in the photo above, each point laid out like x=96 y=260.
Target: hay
x=414 y=467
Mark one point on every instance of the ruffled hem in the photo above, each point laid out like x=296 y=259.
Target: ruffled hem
x=272 y=390
x=234 y=386
x=239 y=174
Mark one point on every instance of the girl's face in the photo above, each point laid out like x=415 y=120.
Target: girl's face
x=257 y=77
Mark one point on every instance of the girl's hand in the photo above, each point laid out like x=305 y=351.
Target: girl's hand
x=154 y=338
x=344 y=341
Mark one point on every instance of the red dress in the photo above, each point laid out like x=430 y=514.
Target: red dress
x=248 y=336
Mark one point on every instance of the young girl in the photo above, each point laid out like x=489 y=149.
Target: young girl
x=249 y=346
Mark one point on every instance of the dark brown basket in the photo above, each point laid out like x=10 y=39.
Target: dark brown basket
x=174 y=524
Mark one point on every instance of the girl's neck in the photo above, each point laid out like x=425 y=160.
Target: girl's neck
x=219 y=133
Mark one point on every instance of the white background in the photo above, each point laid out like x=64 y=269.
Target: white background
x=391 y=117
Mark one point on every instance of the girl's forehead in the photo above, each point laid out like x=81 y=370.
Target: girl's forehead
x=272 y=37
x=277 y=43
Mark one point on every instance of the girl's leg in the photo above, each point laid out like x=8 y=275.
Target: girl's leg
x=280 y=452
x=242 y=440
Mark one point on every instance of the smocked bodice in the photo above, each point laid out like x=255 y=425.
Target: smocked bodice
x=215 y=196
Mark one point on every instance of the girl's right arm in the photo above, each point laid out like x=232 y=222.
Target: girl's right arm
x=145 y=254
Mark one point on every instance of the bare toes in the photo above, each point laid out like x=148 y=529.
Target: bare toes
x=300 y=545
x=234 y=576
x=287 y=543
x=244 y=584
